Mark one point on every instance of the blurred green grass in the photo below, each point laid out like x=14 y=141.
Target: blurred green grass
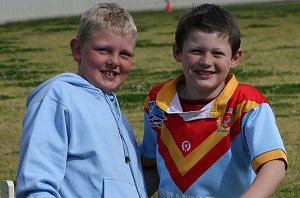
x=31 y=52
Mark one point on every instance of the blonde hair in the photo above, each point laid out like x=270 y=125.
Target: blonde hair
x=106 y=16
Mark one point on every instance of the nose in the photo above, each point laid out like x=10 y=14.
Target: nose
x=113 y=60
x=206 y=59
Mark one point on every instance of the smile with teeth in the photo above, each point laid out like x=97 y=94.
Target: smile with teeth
x=201 y=72
x=109 y=73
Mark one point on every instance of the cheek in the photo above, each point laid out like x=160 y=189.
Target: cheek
x=126 y=67
x=224 y=64
x=190 y=60
x=188 y=64
x=94 y=57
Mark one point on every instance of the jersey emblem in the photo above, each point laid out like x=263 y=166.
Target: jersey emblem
x=186 y=146
x=156 y=115
x=224 y=122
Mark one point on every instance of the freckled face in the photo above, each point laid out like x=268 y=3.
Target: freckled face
x=206 y=61
x=104 y=60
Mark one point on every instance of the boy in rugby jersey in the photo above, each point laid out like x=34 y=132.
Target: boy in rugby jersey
x=207 y=135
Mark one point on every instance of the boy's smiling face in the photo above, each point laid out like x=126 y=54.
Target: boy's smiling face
x=105 y=59
x=206 y=61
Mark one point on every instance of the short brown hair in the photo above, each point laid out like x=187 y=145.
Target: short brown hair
x=208 y=18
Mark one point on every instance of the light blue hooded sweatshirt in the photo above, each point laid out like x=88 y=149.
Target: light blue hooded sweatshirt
x=77 y=143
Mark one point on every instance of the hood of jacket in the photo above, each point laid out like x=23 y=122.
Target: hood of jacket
x=70 y=78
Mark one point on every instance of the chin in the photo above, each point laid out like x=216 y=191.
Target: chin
x=110 y=90
x=108 y=87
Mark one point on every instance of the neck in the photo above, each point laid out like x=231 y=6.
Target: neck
x=183 y=92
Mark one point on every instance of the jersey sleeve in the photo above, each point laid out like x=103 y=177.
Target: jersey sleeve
x=43 y=149
x=262 y=136
x=148 y=145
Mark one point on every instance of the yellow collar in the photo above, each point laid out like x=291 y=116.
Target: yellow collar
x=167 y=93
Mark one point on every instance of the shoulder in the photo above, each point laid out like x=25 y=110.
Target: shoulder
x=58 y=88
x=248 y=92
x=155 y=89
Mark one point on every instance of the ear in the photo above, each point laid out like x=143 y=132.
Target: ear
x=236 y=58
x=177 y=53
x=76 y=49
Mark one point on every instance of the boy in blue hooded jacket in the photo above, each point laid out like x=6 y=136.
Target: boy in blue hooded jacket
x=76 y=142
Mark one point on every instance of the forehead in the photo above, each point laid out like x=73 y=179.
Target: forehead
x=106 y=37
x=104 y=34
x=196 y=37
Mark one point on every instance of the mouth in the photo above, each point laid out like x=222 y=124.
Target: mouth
x=109 y=73
x=204 y=72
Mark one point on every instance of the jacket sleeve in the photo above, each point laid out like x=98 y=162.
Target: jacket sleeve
x=43 y=149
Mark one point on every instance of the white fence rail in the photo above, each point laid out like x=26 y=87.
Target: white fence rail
x=21 y=10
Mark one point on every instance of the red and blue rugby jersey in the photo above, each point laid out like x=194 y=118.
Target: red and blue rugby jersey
x=213 y=152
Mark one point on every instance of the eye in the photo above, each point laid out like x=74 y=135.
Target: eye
x=196 y=51
x=126 y=55
x=103 y=50
x=218 y=54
